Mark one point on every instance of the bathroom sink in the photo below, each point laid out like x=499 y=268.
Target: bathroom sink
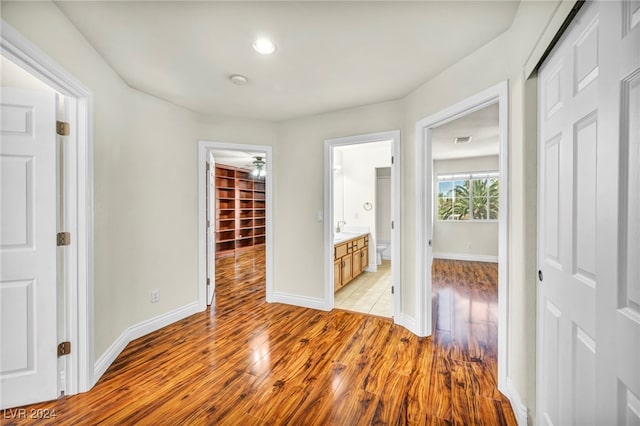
x=342 y=236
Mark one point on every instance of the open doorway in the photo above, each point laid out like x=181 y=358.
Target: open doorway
x=461 y=227
x=235 y=219
x=464 y=273
x=362 y=202
x=45 y=122
x=361 y=205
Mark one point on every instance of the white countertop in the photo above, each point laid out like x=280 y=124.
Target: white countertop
x=344 y=236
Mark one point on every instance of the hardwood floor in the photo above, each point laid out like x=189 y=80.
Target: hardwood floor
x=246 y=362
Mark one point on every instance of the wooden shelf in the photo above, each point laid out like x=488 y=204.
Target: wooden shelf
x=240 y=210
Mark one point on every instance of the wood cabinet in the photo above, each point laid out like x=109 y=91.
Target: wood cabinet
x=240 y=210
x=350 y=259
x=346 y=270
x=363 y=255
x=337 y=273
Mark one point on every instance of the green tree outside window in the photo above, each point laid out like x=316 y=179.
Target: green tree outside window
x=473 y=198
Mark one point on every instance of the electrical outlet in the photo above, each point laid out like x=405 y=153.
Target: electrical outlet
x=155 y=296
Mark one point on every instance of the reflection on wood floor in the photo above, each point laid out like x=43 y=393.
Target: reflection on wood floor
x=465 y=300
x=246 y=362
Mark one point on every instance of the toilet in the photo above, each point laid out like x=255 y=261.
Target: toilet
x=379 y=249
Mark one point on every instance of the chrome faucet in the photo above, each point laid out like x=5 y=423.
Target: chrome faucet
x=339 y=222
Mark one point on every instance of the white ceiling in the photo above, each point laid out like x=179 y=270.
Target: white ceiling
x=240 y=159
x=481 y=125
x=330 y=55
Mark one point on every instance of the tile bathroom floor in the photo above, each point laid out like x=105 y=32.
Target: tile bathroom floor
x=370 y=293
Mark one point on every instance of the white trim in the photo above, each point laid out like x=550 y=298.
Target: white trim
x=407 y=322
x=302 y=301
x=424 y=202
x=204 y=147
x=79 y=202
x=138 y=330
x=466 y=257
x=561 y=13
x=394 y=137
x=519 y=408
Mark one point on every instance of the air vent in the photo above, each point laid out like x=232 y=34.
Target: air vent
x=462 y=139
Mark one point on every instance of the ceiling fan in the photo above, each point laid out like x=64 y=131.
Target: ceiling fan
x=259 y=167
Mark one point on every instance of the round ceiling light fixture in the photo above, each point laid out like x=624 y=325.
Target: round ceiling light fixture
x=238 y=79
x=264 y=46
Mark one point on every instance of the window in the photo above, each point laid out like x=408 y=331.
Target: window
x=469 y=196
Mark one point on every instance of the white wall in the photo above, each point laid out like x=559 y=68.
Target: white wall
x=299 y=191
x=338 y=189
x=145 y=189
x=463 y=237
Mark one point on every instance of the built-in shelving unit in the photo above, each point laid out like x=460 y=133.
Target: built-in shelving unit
x=240 y=210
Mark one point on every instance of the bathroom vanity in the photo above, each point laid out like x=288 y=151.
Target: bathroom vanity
x=350 y=258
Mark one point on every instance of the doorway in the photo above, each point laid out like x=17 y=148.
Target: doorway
x=235 y=219
x=362 y=217
x=439 y=183
x=361 y=227
x=71 y=274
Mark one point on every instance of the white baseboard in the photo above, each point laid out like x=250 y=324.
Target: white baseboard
x=110 y=355
x=297 y=300
x=139 y=330
x=519 y=408
x=466 y=257
x=407 y=322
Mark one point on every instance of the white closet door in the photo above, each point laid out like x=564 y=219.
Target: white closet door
x=588 y=334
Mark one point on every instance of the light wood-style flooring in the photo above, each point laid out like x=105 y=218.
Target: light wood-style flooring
x=246 y=362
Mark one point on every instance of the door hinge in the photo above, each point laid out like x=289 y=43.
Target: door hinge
x=64 y=348
x=392 y=224
x=429 y=243
x=208 y=281
x=392 y=289
x=63 y=238
x=63 y=128
x=392 y=159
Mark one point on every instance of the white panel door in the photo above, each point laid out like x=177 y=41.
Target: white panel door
x=28 y=361
x=618 y=302
x=588 y=342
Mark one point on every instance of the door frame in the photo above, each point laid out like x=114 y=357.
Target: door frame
x=209 y=208
x=77 y=374
x=329 y=144
x=424 y=215
x=204 y=148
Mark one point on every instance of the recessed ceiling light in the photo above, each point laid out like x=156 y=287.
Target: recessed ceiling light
x=238 y=79
x=264 y=46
